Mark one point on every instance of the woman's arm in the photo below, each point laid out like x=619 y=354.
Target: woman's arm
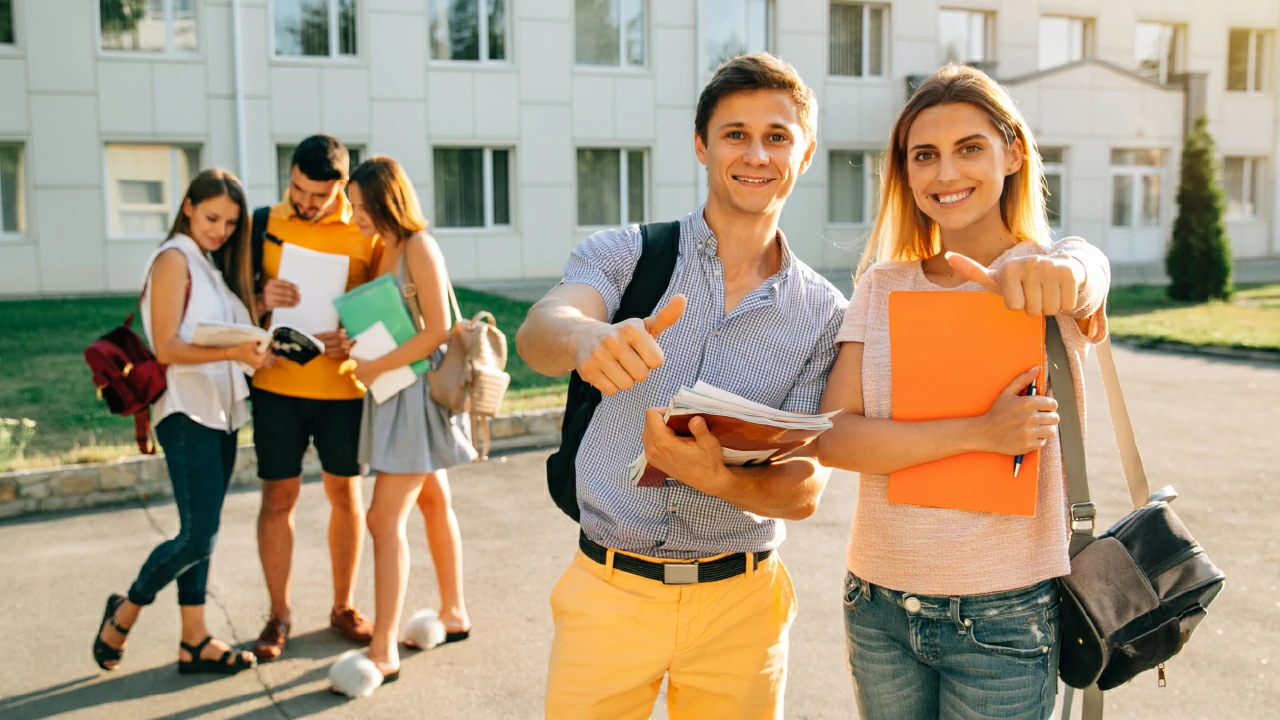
x=1014 y=425
x=426 y=266
x=168 y=304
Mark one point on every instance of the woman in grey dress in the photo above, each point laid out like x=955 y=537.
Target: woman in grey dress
x=408 y=439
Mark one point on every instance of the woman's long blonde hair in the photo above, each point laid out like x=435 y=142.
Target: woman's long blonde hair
x=902 y=231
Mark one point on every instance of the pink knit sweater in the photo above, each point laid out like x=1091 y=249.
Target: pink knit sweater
x=933 y=551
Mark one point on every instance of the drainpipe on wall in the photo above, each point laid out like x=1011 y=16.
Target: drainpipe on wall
x=242 y=152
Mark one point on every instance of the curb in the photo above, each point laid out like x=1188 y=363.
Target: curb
x=143 y=478
x=1177 y=348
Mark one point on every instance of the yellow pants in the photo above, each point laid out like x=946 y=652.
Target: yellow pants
x=723 y=644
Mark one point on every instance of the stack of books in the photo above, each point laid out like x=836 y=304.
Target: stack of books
x=749 y=433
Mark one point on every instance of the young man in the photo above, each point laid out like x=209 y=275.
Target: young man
x=741 y=313
x=295 y=405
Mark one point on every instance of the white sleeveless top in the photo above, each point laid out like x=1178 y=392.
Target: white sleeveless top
x=214 y=394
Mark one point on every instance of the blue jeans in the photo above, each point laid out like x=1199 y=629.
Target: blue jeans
x=973 y=657
x=200 y=462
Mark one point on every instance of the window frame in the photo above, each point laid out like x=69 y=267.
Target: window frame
x=989 y=31
x=486 y=161
x=178 y=185
x=702 y=53
x=23 y=193
x=624 y=187
x=1137 y=172
x=167 y=52
x=1178 y=49
x=334 y=56
x=1249 y=189
x=15 y=13
x=870 y=185
x=1254 y=85
x=623 y=65
x=1058 y=168
x=1088 y=39
x=483 y=30
x=885 y=36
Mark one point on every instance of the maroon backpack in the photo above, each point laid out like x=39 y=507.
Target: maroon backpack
x=128 y=376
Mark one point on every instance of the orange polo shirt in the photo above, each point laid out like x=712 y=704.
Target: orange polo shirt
x=319 y=379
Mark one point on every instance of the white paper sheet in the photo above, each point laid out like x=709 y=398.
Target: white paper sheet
x=321 y=278
x=372 y=344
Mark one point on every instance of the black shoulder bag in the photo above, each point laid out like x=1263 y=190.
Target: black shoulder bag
x=1137 y=591
x=648 y=284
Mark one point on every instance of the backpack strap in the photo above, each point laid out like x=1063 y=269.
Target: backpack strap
x=256 y=239
x=660 y=245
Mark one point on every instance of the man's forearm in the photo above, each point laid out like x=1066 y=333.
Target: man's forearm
x=545 y=339
x=788 y=490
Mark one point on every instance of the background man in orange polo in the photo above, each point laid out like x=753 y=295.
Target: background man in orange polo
x=296 y=405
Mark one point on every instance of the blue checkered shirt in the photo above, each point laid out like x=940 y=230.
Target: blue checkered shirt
x=776 y=348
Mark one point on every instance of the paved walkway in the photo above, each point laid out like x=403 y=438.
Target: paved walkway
x=1207 y=426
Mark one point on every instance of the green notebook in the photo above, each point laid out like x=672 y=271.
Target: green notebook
x=379 y=300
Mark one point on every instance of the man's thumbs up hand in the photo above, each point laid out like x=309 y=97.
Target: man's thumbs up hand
x=616 y=357
x=666 y=317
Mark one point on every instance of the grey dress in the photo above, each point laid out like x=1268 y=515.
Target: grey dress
x=410 y=433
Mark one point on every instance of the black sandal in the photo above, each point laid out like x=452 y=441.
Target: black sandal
x=197 y=664
x=102 y=652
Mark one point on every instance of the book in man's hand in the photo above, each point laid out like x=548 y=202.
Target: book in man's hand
x=287 y=342
x=749 y=433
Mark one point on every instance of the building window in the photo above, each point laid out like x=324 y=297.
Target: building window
x=145 y=184
x=857 y=39
x=147 y=25
x=610 y=32
x=1158 y=49
x=611 y=187
x=854 y=187
x=966 y=36
x=1064 y=40
x=473 y=187
x=1054 y=173
x=468 y=30
x=13 y=190
x=315 y=28
x=1244 y=179
x=1247 y=55
x=1135 y=187
x=6 y=22
x=736 y=27
x=284 y=163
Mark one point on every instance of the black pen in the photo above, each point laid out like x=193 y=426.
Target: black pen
x=1017 y=460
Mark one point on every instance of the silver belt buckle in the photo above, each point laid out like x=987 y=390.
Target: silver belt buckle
x=680 y=574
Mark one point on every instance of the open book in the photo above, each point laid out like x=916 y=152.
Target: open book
x=287 y=342
x=749 y=433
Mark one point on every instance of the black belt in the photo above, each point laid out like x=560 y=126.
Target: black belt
x=675 y=573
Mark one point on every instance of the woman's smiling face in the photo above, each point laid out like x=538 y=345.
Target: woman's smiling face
x=957 y=162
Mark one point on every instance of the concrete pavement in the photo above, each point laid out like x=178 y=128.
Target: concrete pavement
x=1206 y=426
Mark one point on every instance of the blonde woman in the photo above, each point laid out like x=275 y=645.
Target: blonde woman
x=952 y=613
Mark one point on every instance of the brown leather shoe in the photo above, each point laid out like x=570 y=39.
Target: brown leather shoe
x=270 y=644
x=352 y=624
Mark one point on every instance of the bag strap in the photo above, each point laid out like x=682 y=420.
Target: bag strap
x=410 y=290
x=1134 y=471
x=257 y=238
x=659 y=247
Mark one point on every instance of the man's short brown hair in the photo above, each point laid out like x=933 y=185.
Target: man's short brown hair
x=760 y=71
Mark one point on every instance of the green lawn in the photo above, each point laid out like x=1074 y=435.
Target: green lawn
x=1250 y=320
x=43 y=375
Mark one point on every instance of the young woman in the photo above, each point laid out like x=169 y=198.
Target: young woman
x=197 y=417
x=408 y=439
x=950 y=613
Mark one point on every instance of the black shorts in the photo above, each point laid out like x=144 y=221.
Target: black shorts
x=283 y=426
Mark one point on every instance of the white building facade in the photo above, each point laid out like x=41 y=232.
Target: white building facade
x=528 y=124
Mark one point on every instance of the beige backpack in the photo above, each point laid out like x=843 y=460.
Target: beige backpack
x=471 y=378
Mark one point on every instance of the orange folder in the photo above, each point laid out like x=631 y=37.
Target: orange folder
x=951 y=355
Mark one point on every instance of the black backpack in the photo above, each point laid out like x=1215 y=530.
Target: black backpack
x=257 y=237
x=648 y=284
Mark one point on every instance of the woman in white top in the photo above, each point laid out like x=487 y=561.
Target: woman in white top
x=197 y=418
